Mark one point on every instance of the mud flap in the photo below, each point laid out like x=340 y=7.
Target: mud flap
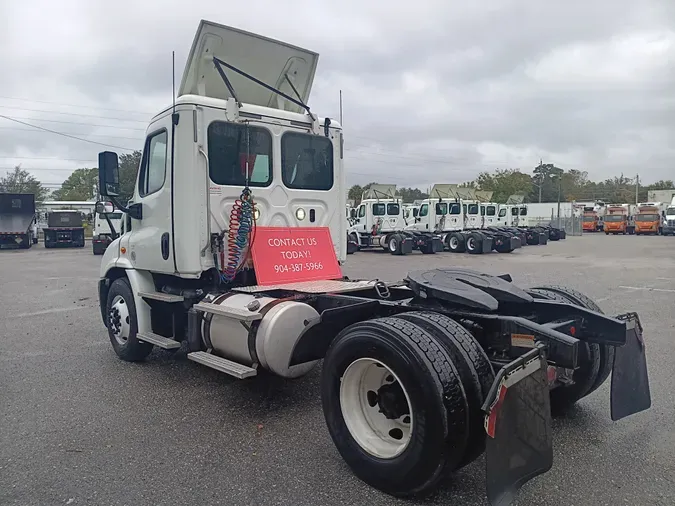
x=630 y=392
x=518 y=424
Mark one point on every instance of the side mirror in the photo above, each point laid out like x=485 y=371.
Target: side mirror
x=108 y=174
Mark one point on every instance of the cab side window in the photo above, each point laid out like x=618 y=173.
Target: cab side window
x=362 y=211
x=153 y=164
x=424 y=209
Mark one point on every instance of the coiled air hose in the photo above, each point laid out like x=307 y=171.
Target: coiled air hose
x=240 y=233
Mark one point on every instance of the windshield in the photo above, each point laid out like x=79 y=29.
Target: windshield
x=491 y=210
x=442 y=208
x=454 y=208
x=589 y=218
x=393 y=209
x=670 y=211
x=523 y=211
x=614 y=217
x=473 y=209
x=112 y=216
x=306 y=161
x=647 y=217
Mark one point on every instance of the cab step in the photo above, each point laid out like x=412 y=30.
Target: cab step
x=157 y=340
x=222 y=364
x=237 y=314
x=161 y=296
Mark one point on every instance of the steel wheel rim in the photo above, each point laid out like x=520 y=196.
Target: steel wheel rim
x=454 y=243
x=470 y=243
x=375 y=433
x=119 y=320
x=392 y=244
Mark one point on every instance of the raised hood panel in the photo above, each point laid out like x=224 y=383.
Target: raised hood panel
x=265 y=59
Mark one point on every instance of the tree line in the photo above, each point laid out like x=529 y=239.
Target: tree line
x=545 y=183
x=81 y=185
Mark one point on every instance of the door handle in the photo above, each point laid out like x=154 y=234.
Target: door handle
x=165 y=245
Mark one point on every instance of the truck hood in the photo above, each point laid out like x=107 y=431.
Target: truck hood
x=268 y=60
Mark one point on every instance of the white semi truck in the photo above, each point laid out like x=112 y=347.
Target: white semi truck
x=107 y=224
x=419 y=376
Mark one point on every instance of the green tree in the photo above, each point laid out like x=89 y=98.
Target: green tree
x=410 y=195
x=22 y=181
x=128 y=164
x=504 y=183
x=80 y=185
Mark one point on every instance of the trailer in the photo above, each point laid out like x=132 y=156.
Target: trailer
x=64 y=229
x=18 y=229
x=421 y=376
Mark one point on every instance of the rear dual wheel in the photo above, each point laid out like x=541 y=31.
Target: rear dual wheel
x=402 y=397
x=596 y=359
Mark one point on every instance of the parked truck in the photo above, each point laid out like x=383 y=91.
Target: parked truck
x=669 y=222
x=18 y=226
x=107 y=225
x=64 y=229
x=420 y=376
x=649 y=218
x=618 y=220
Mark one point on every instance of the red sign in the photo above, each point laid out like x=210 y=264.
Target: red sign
x=291 y=255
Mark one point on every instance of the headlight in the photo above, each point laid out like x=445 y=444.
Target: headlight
x=300 y=213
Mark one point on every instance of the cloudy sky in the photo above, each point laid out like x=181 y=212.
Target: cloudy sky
x=434 y=91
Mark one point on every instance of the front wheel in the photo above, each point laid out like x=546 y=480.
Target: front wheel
x=394 y=405
x=122 y=323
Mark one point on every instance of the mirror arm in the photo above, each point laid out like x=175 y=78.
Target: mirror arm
x=134 y=210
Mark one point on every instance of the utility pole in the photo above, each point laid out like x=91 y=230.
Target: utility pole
x=559 y=192
x=637 y=187
x=541 y=179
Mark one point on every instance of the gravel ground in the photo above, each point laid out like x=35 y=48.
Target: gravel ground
x=78 y=426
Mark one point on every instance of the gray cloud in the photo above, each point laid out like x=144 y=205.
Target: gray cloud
x=433 y=91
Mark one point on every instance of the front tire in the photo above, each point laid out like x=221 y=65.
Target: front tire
x=379 y=375
x=122 y=323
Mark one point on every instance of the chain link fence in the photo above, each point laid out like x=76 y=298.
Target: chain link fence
x=572 y=225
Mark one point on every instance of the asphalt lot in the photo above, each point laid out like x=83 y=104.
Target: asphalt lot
x=78 y=426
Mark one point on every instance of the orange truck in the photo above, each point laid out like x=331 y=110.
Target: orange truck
x=618 y=220
x=648 y=219
x=590 y=220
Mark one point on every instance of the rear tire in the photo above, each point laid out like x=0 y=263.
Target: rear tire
x=122 y=323
x=395 y=244
x=593 y=372
x=473 y=366
x=455 y=242
x=434 y=397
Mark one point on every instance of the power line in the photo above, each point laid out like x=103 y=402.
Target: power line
x=64 y=135
x=79 y=123
x=72 y=105
x=98 y=116
x=139 y=139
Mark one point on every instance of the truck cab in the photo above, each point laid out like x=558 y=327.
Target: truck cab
x=107 y=225
x=378 y=217
x=669 y=222
x=617 y=220
x=649 y=218
x=590 y=219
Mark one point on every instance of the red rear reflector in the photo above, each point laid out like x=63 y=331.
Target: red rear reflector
x=494 y=411
x=573 y=331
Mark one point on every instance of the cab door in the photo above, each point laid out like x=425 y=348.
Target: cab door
x=150 y=244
